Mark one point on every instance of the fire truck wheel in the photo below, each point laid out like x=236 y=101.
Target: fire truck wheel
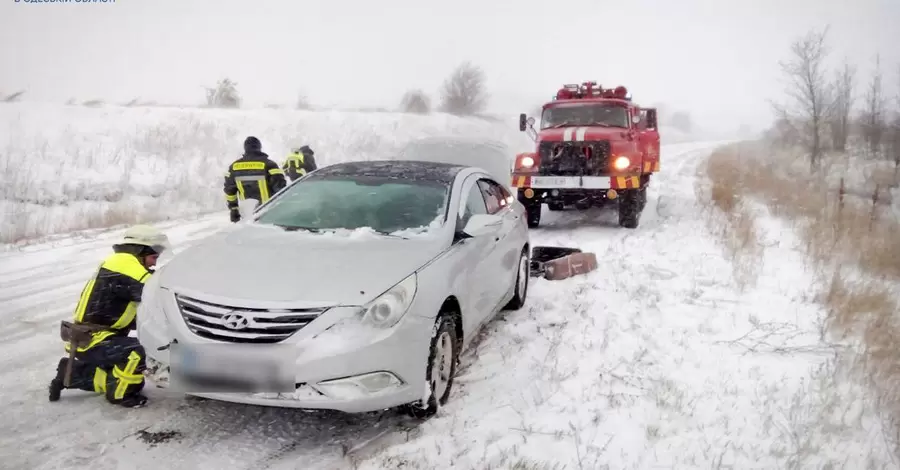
x=556 y=206
x=533 y=214
x=630 y=208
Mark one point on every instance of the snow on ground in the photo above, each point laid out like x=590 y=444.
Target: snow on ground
x=639 y=364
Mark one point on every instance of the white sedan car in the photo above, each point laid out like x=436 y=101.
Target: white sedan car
x=354 y=289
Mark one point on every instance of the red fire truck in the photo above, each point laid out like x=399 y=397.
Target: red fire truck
x=594 y=147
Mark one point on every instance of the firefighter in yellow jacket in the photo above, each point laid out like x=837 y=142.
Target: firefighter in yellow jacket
x=253 y=176
x=113 y=362
x=300 y=162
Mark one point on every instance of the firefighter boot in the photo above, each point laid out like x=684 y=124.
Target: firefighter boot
x=133 y=401
x=57 y=384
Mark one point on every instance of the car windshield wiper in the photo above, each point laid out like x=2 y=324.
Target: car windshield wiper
x=564 y=123
x=388 y=234
x=293 y=228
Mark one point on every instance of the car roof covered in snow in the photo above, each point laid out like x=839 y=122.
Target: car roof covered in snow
x=416 y=170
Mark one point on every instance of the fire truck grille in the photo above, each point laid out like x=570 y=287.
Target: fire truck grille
x=588 y=158
x=243 y=325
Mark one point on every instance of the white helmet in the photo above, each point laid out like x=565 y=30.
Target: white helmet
x=148 y=236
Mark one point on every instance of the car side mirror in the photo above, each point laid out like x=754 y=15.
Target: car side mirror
x=482 y=224
x=530 y=122
x=635 y=119
x=523 y=121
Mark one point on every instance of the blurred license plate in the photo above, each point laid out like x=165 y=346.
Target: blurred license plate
x=228 y=369
x=554 y=182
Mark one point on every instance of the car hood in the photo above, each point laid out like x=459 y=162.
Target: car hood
x=575 y=133
x=258 y=265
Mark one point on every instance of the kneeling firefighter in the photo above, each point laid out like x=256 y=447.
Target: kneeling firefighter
x=106 y=359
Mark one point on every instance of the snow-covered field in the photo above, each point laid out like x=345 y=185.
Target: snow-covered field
x=655 y=360
x=65 y=168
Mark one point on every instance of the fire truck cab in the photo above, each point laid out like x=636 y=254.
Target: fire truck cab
x=594 y=147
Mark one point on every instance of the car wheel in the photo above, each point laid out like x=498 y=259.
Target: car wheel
x=441 y=368
x=522 y=277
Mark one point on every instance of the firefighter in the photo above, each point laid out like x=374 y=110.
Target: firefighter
x=253 y=176
x=112 y=362
x=300 y=162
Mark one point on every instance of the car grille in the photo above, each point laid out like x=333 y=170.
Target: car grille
x=588 y=158
x=243 y=325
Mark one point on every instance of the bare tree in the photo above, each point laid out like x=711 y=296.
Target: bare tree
x=681 y=120
x=895 y=131
x=808 y=91
x=464 y=92
x=872 y=120
x=842 y=107
x=223 y=95
x=415 y=101
x=13 y=97
x=303 y=102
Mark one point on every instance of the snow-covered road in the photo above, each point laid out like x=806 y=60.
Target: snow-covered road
x=621 y=368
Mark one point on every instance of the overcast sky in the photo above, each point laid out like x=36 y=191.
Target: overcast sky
x=716 y=58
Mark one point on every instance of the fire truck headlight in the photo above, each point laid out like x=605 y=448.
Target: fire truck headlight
x=527 y=162
x=621 y=163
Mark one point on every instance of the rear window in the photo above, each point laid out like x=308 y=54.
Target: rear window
x=385 y=205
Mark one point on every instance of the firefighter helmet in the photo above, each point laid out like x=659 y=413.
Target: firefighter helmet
x=148 y=236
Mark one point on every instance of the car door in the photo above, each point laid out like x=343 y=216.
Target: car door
x=476 y=301
x=501 y=260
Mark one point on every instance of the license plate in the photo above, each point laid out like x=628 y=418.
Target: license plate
x=228 y=369
x=555 y=182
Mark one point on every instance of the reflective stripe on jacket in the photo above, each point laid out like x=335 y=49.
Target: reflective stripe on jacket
x=110 y=299
x=252 y=177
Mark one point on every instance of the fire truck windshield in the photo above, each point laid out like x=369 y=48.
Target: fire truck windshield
x=587 y=114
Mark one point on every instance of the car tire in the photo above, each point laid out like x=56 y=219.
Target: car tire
x=446 y=361
x=523 y=275
x=630 y=209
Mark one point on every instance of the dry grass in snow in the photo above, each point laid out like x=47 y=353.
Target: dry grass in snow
x=852 y=246
x=70 y=168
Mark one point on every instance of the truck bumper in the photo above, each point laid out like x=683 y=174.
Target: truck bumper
x=575 y=182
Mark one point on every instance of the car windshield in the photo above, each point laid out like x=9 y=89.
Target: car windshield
x=585 y=115
x=352 y=202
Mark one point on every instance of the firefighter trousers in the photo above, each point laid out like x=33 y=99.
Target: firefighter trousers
x=114 y=367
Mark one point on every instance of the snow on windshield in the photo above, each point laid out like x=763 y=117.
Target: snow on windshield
x=360 y=204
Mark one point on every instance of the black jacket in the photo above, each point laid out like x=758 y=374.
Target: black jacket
x=253 y=176
x=110 y=299
x=299 y=164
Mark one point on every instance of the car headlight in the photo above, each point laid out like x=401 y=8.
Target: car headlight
x=389 y=308
x=527 y=162
x=150 y=309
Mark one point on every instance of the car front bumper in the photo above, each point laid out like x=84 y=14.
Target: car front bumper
x=335 y=362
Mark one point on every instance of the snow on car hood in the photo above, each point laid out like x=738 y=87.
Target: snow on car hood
x=257 y=263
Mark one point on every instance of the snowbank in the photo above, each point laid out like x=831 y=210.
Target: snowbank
x=68 y=168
